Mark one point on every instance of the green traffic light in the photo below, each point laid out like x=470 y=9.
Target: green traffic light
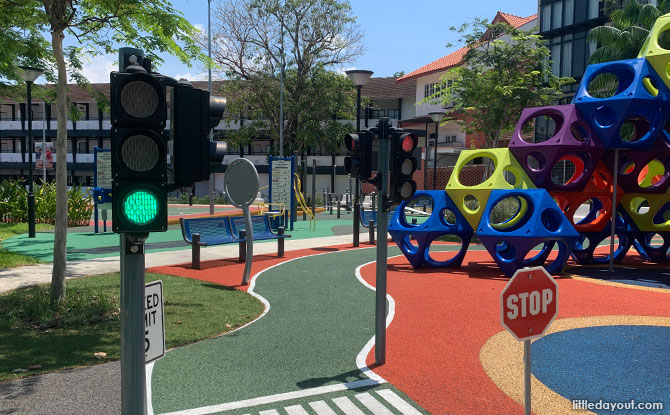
x=140 y=207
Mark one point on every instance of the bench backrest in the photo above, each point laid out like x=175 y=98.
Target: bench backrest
x=207 y=228
x=367 y=216
x=260 y=224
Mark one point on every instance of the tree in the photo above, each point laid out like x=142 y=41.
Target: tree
x=254 y=39
x=623 y=36
x=505 y=70
x=97 y=26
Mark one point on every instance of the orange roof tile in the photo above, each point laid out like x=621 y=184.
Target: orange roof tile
x=456 y=58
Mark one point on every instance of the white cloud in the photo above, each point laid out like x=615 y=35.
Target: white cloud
x=202 y=76
x=200 y=27
x=98 y=68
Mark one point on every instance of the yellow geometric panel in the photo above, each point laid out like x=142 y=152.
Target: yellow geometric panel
x=507 y=174
x=657 y=57
x=643 y=207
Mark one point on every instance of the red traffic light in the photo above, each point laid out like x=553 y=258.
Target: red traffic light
x=353 y=142
x=408 y=142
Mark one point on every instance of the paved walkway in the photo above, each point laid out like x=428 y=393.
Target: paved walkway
x=12 y=278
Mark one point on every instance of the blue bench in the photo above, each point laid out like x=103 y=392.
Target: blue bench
x=369 y=220
x=208 y=232
x=262 y=230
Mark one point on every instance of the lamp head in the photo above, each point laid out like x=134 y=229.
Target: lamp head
x=30 y=74
x=359 y=76
x=436 y=116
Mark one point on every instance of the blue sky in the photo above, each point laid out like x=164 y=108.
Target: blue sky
x=399 y=35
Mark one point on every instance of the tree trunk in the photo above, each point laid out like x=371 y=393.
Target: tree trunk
x=60 y=232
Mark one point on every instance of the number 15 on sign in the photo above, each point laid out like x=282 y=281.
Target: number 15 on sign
x=154 y=329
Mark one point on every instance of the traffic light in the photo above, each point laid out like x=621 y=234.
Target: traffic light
x=193 y=115
x=402 y=165
x=139 y=154
x=359 y=161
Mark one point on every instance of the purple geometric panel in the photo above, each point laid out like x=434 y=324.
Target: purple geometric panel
x=632 y=163
x=574 y=140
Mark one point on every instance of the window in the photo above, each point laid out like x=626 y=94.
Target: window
x=436 y=87
x=556 y=59
x=395 y=114
x=566 y=58
x=450 y=139
x=546 y=17
x=568 y=12
x=81 y=146
x=594 y=8
x=556 y=14
x=376 y=113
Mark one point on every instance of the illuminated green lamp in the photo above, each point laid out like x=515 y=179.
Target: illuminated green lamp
x=140 y=207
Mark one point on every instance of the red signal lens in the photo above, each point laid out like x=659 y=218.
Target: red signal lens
x=352 y=142
x=409 y=143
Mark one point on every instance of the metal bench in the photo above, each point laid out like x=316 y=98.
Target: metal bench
x=208 y=232
x=369 y=220
x=261 y=230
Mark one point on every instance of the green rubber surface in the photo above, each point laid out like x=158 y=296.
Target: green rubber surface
x=88 y=245
x=320 y=318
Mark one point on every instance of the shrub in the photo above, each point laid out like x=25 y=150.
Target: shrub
x=14 y=203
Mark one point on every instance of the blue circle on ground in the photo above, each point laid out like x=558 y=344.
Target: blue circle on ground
x=615 y=364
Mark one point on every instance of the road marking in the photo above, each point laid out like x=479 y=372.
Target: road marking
x=373 y=404
x=280 y=397
x=269 y=412
x=321 y=408
x=295 y=410
x=347 y=406
x=398 y=402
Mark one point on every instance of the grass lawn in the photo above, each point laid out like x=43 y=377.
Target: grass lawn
x=10 y=259
x=33 y=334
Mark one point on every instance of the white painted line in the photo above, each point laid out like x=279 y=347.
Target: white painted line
x=280 y=397
x=295 y=410
x=149 y=369
x=321 y=408
x=347 y=406
x=398 y=402
x=362 y=356
x=269 y=412
x=372 y=404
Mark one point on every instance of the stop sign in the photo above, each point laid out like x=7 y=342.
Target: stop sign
x=529 y=303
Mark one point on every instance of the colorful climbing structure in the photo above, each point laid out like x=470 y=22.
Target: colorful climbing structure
x=615 y=132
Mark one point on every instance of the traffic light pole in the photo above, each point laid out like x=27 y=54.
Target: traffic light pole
x=382 y=242
x=133 y=376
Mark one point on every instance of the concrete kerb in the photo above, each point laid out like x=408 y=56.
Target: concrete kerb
x=13 y=278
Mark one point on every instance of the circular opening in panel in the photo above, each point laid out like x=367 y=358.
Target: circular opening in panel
x=417 y=210
x=588 y=211
x=448 y=217
x=650 y=86
x=537 y=254
x=662 y=216
x=410 y=244
x=604 y=116
x=599 y=180
x=505 y=251
x=563 y=171
x=541 y=127
x=510 y=176
x=583 y=244
x=626 y=165
x=551 y=219
x=471 y=203
x=634 y=128
x=510 y=213
x=639 y=205
x=654 y=240
x=652 y=175
x=579 y=132
x=476 y=171
x=604 y=85
x=664 y=40
x=536 y=161
x=439 y=255
x=602 y=252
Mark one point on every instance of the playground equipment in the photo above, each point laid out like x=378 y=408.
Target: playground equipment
x=613 y=133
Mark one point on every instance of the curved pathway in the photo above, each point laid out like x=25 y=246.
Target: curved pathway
x=298 y=354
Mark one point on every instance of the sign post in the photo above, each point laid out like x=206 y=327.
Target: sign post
x=383 y=130
x=241 y=184
x=528 y=305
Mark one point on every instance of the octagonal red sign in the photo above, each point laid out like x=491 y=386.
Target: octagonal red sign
x=529 y=303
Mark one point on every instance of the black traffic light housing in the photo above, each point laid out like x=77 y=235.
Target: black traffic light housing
x=193 y=114
x=402 y=165
x=139 y=150
x=359 y=161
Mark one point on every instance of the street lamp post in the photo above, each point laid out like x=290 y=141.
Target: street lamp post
x=436 y=117
x=30 y=75
x=358 y=77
